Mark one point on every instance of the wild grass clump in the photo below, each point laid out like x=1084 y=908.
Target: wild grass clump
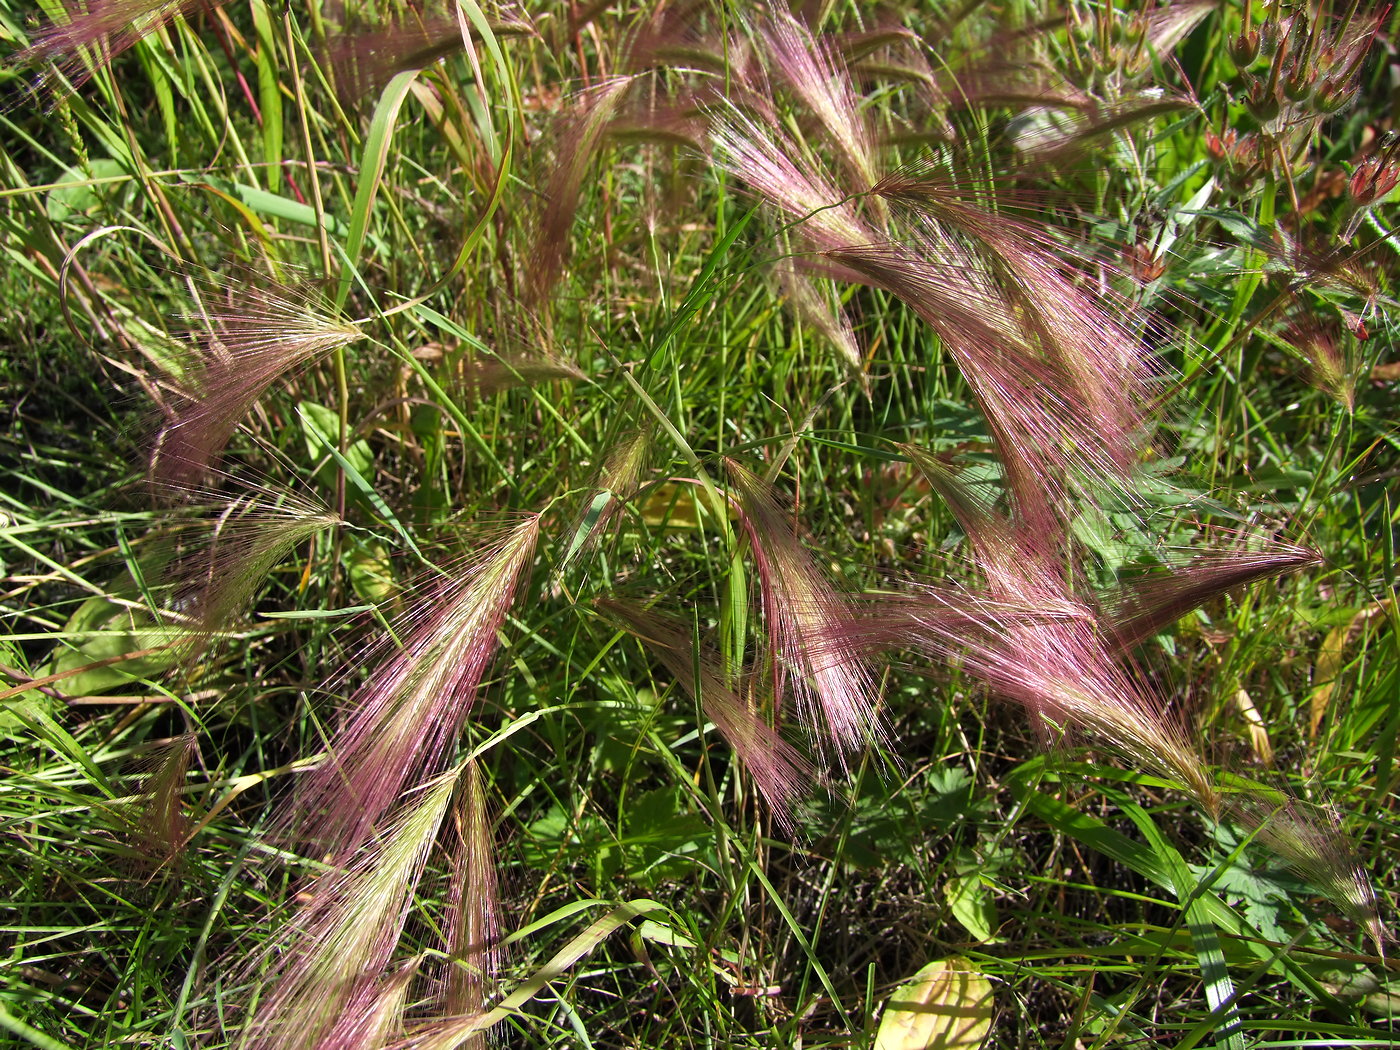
x=741 y=511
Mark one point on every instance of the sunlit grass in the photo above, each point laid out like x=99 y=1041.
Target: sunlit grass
x=529 y=520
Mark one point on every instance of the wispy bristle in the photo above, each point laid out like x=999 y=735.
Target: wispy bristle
x=674 y=122
x=1142 y=606
x=1326 y=353
x=374 y=1011
x=487 y=375
x=774 y=167
x=1059 y=376
x=988 y=532
x=446 y=1033
x=326 y=968
x=93 y=32
x=213 y=583
x=814 y=309
x=581 y=134
x=811 y=71
x=617 y=482
x=1034 y=641
x=473 y=921
x=780 y=772
x=806 y=620
x=161 y=824
x=1045 y=653
x=265 y=334
x=401 y=724
x=368 y=57
x=672 y=37
x=1311 y=841
x=1058 y=381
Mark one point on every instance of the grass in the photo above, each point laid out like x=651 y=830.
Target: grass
x=616 y=526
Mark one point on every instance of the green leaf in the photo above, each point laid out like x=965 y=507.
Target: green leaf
x=371 y=175
x=83 y=194
x=1215 y=974
x=660 y=933
x=29 y=1034
x=269 y=95
x=108 y=630
x=1275 y=478
x=371 y=574
x=701 y=291
x=972 y=906
x=261 y=202
x=1146 y=862
x=320 y=428
x=661 y=839
x=43 y=726
x=562 y=962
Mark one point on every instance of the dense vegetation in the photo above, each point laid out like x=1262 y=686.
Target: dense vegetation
x=642 y=525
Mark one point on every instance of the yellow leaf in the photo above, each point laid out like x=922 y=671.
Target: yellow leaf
x=1329 y=661
x=1258 y=732
x=948 y=1005
x=671 y=506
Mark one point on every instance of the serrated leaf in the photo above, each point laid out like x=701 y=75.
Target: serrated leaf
x=948 y=1005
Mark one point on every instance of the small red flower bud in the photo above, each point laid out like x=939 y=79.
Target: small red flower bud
x=1244 y=49
x=1300 y=85
x=1332 y=98
x=1372 y=181
x=1222 y=146
x=1146 y=266
x=1262 y=103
